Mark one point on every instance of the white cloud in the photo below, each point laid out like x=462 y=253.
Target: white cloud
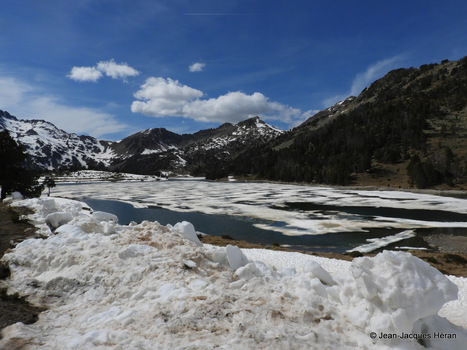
x=160 y=97
x=109 y=68
x=374 y=72
x=80 y=120
x=197 y=67
x=85 y=74
x=116 y=71
x=231 y=107
x=303 y=117
x=28 y=102
x=364 y=79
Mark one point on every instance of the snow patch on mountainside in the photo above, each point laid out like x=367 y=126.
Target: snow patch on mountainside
x=51 y=148
x=91 y=176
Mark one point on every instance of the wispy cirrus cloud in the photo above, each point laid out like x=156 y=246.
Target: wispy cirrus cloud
x=197 y=67
x=364 y=79
x=109 y=68
x=160 y=97
x=373 y=72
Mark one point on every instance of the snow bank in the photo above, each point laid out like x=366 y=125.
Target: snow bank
x=398 y=289
x=187 y=230
x=148 y=286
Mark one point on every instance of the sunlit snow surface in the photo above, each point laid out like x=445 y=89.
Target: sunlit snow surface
x=268 y=201
x=148 y=286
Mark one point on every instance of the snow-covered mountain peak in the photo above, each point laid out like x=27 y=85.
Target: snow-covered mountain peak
x=51 y=148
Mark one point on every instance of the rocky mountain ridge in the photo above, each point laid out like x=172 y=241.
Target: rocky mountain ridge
x=148 y=151
x=51 y=148
x=408 y=128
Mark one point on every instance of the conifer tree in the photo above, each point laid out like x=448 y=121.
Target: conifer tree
x=13 y=175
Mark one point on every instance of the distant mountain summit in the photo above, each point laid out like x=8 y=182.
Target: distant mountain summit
x=148 y=151
x=153 y=150
x=51 y=148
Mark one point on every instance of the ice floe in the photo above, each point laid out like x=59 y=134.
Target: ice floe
x=376 y=243
x=268 y=202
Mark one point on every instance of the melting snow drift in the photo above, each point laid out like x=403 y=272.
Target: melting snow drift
x=148 y=286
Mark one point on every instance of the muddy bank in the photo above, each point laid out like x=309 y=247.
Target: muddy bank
x=13 y=230
x=445 y=258
x=448 y=243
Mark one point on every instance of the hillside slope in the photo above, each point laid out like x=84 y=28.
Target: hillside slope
x=408 y=128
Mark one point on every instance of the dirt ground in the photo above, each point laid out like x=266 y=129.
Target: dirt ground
x=12 y=307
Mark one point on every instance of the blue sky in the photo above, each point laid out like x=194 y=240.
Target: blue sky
x=109 y=68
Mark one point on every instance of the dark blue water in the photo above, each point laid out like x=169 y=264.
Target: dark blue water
x=242 y=228
x=371 y=212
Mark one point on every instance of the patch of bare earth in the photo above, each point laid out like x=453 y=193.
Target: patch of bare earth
x=441 y=258
x=14 y=308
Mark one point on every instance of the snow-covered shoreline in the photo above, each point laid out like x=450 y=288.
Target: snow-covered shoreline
x=148 y=286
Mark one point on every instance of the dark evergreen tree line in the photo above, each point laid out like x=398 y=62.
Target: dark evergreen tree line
x=388 y=126
x=13 y=174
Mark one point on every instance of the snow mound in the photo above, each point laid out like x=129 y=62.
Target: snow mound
x=58 y=219
x=187 y=230
x=235 y=257
x=398 y=290
x=149 y=286
x=102 y=216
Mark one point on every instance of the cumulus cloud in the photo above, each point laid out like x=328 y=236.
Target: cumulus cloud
x=197 y=67
x=116 y=71
x=233 y=107
x=27 y=102
x=109 y=68
x=160 y=97
x=85 y=74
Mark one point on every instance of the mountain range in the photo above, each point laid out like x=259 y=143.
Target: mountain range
x=408 y=128
x=149 y=151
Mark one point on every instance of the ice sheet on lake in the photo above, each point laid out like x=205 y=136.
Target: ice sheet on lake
x=267 y=201
x=148 y=286
x=376 y=243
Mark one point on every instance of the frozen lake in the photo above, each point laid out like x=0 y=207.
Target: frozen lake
x=304 y=217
